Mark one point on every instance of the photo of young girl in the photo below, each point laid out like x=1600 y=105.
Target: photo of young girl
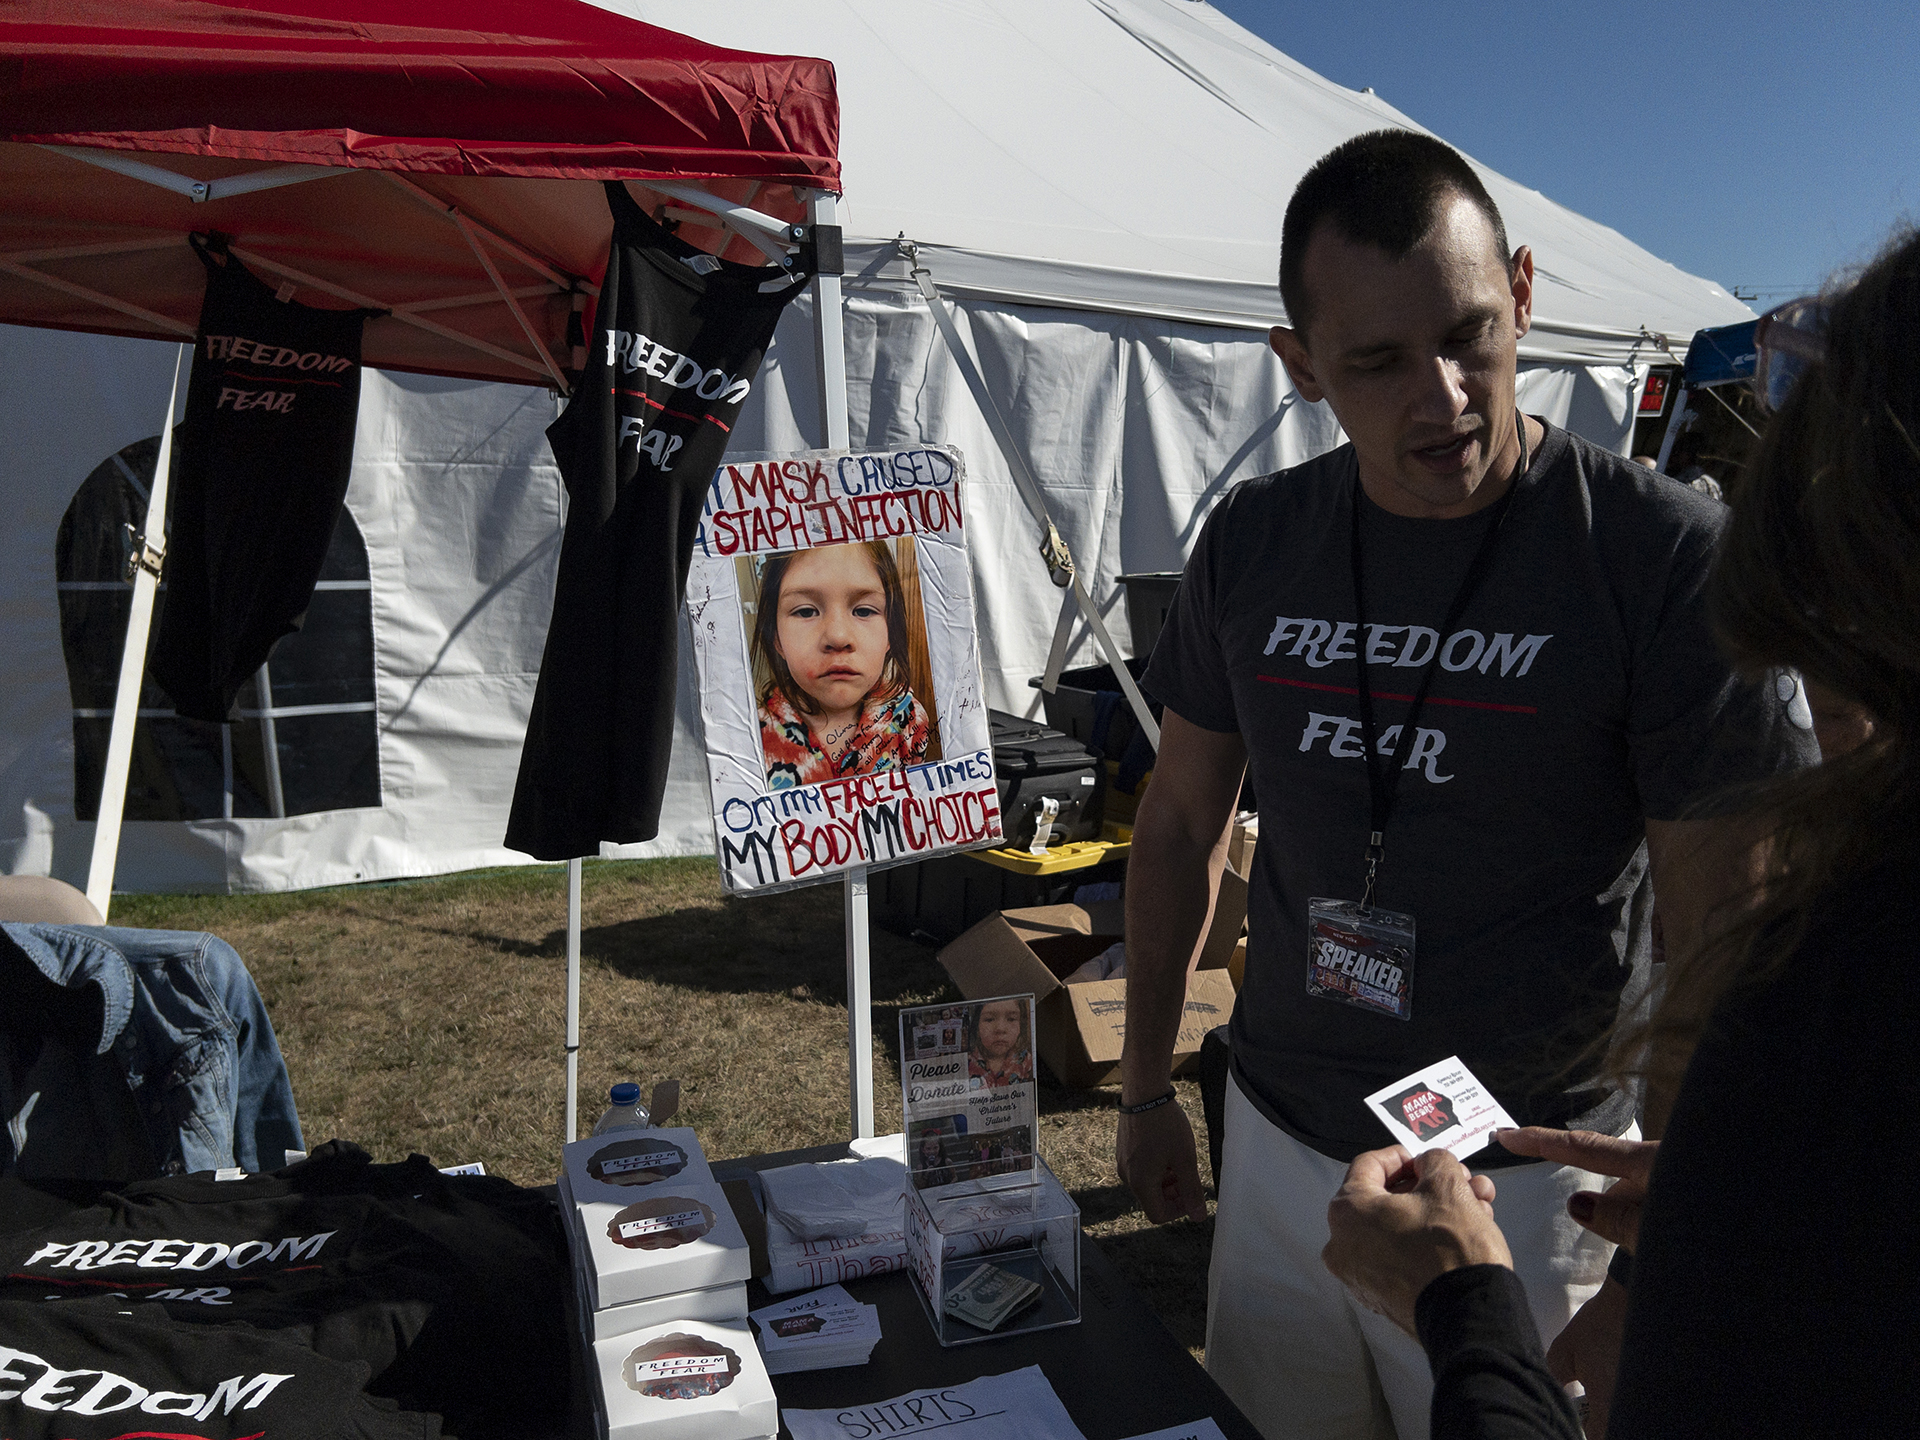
x=1000 y=1047
x=832 y=643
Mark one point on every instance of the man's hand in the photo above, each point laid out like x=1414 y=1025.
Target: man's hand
x=1397 y=1223
x=1157 y=1163
x=1612 y=1214
x=1588 y=1350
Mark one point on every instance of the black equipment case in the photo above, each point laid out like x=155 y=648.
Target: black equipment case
x=1033 y=763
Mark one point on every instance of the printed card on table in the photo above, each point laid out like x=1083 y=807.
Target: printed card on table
x=1442 y=1107
x=831 y=606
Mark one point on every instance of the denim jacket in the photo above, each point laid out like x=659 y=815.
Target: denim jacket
x=183 y=1073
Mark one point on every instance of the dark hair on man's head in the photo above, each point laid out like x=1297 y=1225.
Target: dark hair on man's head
x=1384 y=188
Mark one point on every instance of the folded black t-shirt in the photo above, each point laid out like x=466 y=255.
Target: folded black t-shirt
x=99 y=1370
x=449 y=1288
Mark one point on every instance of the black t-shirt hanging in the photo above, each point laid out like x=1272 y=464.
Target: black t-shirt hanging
x=260 y=471
x=678 y=338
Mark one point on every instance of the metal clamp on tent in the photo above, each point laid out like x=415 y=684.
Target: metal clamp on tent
x=1053 y=548
x=143 y=553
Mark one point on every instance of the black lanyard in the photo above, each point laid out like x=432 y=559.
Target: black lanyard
x=1384 y=788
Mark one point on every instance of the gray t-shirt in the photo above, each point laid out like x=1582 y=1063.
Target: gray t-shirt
x=1580 y=693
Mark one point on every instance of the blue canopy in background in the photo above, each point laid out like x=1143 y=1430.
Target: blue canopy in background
x=1723 y=355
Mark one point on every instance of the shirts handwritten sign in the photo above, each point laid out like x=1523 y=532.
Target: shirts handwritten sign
x=1020 y=1402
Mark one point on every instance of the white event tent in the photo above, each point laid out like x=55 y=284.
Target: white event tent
x=1095 y=185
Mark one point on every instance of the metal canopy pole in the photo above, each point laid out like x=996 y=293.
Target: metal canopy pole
x=143 y=568
x=830 y=351
x=573 y=1002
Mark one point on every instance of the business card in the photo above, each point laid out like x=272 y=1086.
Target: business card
x=1440 y=1107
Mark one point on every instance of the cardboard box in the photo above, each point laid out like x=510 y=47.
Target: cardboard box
x=1246 y=834
x=1082 y=1026
x=716 y=1302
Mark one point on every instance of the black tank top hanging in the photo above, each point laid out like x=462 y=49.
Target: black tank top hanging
x=260 y=471
x=677 y=340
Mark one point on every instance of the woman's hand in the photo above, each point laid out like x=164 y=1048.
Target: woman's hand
x=1398 y=1222
x=1612 y=1214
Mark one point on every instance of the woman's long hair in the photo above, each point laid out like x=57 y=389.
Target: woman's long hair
x=766 y=627
x=1819 y=569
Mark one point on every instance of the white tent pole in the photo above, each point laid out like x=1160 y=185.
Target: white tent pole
x=1676 y=422
x=149 y=552
x=573 y=1002
x=830 y=351
x=270 y=743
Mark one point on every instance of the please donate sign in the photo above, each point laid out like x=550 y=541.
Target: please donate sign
x=831 y=607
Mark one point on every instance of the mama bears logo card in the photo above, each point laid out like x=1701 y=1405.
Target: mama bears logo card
x=1442 y=1107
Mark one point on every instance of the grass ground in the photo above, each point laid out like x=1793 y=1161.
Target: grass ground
x=429 y=1016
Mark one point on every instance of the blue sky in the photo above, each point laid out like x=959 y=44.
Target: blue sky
x=1759 y=144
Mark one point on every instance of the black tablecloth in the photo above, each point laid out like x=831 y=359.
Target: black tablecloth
x=1118 y=1372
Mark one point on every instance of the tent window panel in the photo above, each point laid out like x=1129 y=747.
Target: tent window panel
x=183 y=769
x=178 y=772
x=329 y=660
x=335 y=758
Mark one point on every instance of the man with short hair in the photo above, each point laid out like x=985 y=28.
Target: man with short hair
x=1466 y=658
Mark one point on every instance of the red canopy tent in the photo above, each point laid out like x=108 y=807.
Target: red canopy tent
x=441 y=161
x=433 y=158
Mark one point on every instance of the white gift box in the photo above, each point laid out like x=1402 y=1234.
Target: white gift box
x=716 y=1302
x=688 y=1380
x=667 y=1239
x=613 y=1167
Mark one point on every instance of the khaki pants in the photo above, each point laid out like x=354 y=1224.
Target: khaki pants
x=1286 y=1341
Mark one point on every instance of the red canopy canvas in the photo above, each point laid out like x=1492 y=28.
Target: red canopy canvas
x=437 y=159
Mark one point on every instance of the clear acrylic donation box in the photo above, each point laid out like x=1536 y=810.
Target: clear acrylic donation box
x=1029 y=1229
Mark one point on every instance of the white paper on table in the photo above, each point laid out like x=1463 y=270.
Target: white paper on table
x=1201 y=1429
x=1440 y=1107
x=1020 y=1402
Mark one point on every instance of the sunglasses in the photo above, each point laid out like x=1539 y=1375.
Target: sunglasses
x=1789 y=339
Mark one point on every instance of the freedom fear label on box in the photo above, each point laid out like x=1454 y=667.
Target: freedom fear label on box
x=1441 y=1107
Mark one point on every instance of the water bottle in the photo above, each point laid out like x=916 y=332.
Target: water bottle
x=626 y=1112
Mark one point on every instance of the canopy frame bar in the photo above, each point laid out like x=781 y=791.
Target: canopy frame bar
x=82 y=292
x=400 y=313
x=82 y=252
x=545 y=269
x=506 y=296
x=198 y=191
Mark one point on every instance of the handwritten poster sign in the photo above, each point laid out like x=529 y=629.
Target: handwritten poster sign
x=831 y=605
